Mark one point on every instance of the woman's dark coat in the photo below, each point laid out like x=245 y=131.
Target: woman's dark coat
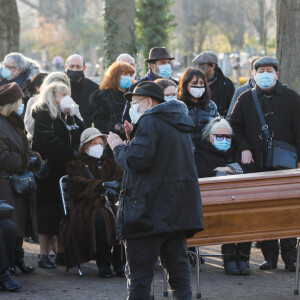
x=201 y=114
x=108 y=109
x=14 y=155
x=208 y=158
x=57 y=145
x=77 y=230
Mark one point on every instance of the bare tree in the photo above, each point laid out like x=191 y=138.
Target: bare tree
x=193 y=19
x=261 y=15
x=10 y=27
x=230 y=19
x=288 y=42
x=119 y=29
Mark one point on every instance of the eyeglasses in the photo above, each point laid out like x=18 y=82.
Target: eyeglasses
x=10 y=67
x=221 y=137
x=136 y=101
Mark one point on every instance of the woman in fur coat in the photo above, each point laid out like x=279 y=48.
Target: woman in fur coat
x=88 y=230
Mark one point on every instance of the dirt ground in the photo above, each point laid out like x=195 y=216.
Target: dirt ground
x=60 y=285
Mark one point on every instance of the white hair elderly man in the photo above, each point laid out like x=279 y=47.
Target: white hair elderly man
x=124 y=57
x=18 y=68
x=81 y=87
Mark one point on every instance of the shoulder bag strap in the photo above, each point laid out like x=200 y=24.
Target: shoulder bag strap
x=265 y=127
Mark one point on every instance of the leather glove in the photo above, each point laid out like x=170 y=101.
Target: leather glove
x=33 y=159
x=111 y=184
x=110 y=193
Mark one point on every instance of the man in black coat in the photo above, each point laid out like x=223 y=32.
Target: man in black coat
x=222 y=88
x=160 y=204
x=81 y=87
x=281 y=108
x=159 y=63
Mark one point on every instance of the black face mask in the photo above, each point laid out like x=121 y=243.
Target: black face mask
x=75 y=75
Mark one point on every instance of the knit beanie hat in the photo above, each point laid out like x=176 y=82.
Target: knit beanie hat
x=10 y=93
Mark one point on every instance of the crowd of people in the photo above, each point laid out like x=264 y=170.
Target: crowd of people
x=133 y=150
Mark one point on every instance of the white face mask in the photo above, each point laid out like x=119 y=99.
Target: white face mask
x=95 y=151
x=197 y=91
x=133 y=113
x=66 y=104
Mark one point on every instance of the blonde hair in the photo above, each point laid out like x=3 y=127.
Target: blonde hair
x=47 y=100
x=56 y=77
x=7 y=109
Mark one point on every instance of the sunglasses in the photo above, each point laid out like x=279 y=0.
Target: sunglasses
x=221 y=137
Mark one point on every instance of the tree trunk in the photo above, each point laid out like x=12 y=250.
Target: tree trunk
x=10 y=27
x=119 y=29
x=288 y=42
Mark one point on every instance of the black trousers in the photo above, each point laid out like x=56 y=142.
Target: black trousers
x=142 y=255
x=8 y=233
x=239 y=251
x=270 y=250
x=106 y=254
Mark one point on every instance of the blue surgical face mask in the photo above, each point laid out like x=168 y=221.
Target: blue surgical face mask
x=223 y=145
x=169 y=98
x=165 y=71
x=6 y=73
x=265 y=79
x=20 y=109
x=125 y=82
x=133 y=113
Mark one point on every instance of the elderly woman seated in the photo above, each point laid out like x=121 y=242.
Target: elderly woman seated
x=218 y=156
x=88 y=231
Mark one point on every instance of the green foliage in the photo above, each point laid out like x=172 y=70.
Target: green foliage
x=154 y=23
x=111 y=27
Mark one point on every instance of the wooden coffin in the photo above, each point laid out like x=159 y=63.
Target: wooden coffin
x=249 y=207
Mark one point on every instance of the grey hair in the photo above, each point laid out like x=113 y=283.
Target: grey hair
x=78 y=56
x=18 y=58
x=124 y=58
x=214 y=124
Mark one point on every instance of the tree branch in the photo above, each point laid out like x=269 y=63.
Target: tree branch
x=27 y=2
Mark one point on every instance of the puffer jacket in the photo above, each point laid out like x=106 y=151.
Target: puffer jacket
x=201 y=115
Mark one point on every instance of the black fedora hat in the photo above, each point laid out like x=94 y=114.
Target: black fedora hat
x=158 y=53
x=148 y=89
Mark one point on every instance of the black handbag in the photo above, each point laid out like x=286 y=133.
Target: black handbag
x=6 y=210
x=279 y=155
x=23 y=184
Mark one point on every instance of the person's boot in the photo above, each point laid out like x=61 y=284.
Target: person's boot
x=268 y=265
x=242 y=261
x=119 y=270
x=291 y=267
x=44 y=262
x=230 y=266
x=24 y=267
x=8 y=283
x=105 y=271
x=13 y=271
